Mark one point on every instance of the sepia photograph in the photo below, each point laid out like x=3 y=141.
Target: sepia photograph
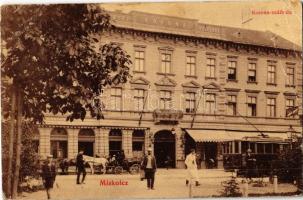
x=151 y=100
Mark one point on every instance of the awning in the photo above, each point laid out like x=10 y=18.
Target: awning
x=209 y=135
x=224 y=136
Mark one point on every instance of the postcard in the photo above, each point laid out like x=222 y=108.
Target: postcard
x=151 y=100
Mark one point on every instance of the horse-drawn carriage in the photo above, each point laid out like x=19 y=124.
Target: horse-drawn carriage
x=102 y=165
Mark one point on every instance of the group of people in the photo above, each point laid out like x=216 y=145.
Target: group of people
x=148 y=165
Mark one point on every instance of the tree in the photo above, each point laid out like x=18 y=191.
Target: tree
x=56 y=63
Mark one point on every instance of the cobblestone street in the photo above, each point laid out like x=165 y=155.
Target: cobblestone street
x=168 y=184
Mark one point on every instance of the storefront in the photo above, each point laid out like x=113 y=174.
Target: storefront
x=225 y=148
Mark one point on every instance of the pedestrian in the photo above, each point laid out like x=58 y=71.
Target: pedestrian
x=250 y=165
x=80 y=165
x=192 y=168
x=149 y=166
x=48 y=175
x=168 y=162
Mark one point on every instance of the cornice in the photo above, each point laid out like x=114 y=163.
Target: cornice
x=211 y=43
x=252 y=91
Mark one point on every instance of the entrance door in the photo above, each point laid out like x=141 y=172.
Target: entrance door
x=164 y=149
x=211 y=155
x=87 y=147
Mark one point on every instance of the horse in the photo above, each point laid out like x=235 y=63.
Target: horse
x=94 y=161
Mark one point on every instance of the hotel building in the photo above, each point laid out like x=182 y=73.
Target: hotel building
x=220 y=90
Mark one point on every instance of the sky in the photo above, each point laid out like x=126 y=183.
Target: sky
x=234 y=14
x=218 y=12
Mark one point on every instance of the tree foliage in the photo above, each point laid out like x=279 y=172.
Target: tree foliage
x=53 y=53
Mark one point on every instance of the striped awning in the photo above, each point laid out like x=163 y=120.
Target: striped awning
x=209 y=135
x=224 y=136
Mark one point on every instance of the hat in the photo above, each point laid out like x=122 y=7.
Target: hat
x=248 y=150
x=49 y=156
x=149 y=149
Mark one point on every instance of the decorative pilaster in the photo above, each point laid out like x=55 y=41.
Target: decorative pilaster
x=72 y=145
x=104 y=142
x=147 y=140
x=127 y=144
x=180 y=157
x=98 y=142
x=44 y=142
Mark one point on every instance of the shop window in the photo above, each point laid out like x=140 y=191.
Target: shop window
x=137 y=146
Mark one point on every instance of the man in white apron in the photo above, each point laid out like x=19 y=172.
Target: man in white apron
x=192 y=168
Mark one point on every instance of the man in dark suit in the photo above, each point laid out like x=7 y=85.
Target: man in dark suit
x=150 y=167
x=48 y=175
x=250 y=165
x=80 y=164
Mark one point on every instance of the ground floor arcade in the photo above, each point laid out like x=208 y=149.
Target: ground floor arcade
x=170 y=145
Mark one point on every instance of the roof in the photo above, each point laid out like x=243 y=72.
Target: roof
x=191 y=27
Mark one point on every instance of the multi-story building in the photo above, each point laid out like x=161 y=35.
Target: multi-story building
x=218 y=89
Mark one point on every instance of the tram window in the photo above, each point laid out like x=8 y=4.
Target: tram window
x=276 y=148
x=252 y=147
x=260 y=148
x=244 y=147
x=268 y=148
x=236 y=147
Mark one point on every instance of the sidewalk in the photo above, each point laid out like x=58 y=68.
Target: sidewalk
x=168 y=184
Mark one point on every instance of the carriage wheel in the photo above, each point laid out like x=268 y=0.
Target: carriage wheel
x=118 y=170
x=134 y=169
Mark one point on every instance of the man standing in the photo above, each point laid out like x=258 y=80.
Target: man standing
x=149 y=166
x=192 y=169
x=80 y=164
x=250 y=165
x=48 y=175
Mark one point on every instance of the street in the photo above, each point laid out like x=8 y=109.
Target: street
x=168 y=184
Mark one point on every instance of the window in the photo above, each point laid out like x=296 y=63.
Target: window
x=290 y=76
x=252 y=72
x=190 y=102
x=116 y=98
x=271 y=74
x=290 y=107
x=190 y=65
x=210 y=68
x=139 y=99
x=252 y=106
x=165 y=63
x=139 y=61
x=210 y=103
x=271 y=107
x=232 y=70
x=232 y=105
x=165 y=99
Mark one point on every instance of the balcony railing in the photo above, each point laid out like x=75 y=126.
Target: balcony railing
x=167 y=116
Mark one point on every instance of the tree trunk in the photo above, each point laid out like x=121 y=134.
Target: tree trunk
x=11 y=143
x=18 y=144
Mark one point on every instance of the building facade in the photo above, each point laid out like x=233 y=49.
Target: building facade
x=217 y=89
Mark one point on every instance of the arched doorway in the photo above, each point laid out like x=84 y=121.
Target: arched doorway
x=86 y=141
x=165 y=148
x=58 y=139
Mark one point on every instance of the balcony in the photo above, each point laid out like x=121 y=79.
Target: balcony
x=167 y=116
